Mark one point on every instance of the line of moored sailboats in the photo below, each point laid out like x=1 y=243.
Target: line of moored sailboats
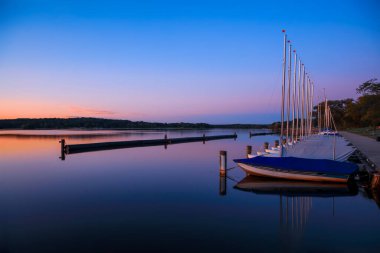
x=305 y=151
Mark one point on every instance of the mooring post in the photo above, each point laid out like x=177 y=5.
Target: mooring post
x=204 y=138
x=266 y=145
x=223 y=162
x=166 y=141
x=62 y=141
x=248 y=150
x=250 y=134
x=63 y=149
x=276 y=143
x=222 y=185
x=235 y=136
x=375 y=182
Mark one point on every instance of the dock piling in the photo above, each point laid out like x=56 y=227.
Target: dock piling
x=223 y=162
x=248 y=150
x=63 y=149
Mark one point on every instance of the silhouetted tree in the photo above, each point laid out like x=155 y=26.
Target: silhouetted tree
x=370 y=87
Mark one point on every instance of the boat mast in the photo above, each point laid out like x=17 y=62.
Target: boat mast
x=283 y=91
x=325 y=125
x=289 y=85
x=319 y=115
x=298 y=99
x=310 y=109
x=294 y=94
x=326 y=114
x=307 y=105
x=311 y=106
x=302 y=100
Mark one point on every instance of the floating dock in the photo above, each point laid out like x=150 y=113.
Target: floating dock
x=260 y=134
x=80 y=148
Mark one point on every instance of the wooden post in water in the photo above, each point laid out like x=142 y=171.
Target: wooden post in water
x=166 y=141
x=204 y=138
x=63 y=155
x=223 y=162
x=266 y=145
x=248 y=150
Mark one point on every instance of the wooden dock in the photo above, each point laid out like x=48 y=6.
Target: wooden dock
x=80 y=148
x=369 y=147
x=260 y=134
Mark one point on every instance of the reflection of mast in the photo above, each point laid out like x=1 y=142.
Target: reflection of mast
x=333 y=206
x=296 y=219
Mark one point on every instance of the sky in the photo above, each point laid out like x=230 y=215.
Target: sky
x=171 y=61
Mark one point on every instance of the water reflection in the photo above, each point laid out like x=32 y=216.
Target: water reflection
x=296 y=197
x=295 y=202
x=112 y=201
x=262 y=185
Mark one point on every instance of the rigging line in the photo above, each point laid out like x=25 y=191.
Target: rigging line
x=269 y=102
x=232 y=168
x=232 y=179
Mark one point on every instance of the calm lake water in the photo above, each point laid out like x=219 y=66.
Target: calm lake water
x=154 y=199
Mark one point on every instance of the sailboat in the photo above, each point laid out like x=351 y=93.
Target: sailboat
x=294 y=168
x=302 y=155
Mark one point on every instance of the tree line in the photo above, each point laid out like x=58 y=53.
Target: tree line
x=99 y=123
x=362 y=112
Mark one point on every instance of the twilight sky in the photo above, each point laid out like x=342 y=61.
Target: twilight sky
x=194 y=61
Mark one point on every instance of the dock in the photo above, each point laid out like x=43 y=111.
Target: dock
x=80 y=148
x=367 y=146
x=261 y=134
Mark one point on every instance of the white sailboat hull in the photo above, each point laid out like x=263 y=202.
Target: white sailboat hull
x=269 y=172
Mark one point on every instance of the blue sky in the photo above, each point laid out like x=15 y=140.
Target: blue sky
x=209 y=61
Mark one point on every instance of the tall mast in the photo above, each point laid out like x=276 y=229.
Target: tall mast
x=289 y=85
x=294 y=94
x=307 y=106
x=283 y=91
x=299 y=97
x=312 y=102
x=326 y=114
x=319 y=115
x=311 y=106
x=302 y=100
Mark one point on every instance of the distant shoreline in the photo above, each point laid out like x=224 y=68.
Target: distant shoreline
x=111 y=124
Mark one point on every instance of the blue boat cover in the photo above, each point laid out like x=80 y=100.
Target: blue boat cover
x=301 y=164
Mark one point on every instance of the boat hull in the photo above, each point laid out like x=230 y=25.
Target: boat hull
x=269 y=172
